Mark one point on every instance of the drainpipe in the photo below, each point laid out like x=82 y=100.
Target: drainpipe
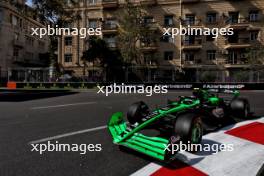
x=78 y=39
x=180 y=35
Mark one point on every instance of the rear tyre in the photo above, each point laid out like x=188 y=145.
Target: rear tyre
x=137 y=111
x=189 y=127
x=240 y=107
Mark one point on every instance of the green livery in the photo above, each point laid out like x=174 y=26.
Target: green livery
x=180 y=120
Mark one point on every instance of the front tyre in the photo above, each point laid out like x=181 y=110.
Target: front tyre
x=136 y=112
x=189 y=127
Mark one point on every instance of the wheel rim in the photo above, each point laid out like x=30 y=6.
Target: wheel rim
x=196 y=133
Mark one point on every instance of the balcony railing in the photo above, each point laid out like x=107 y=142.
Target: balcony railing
x=214 y=21
x=189 y=62
x=192 y=42
x=189 y=1
x=196 y=22
x=150 y=63
x=104 y=3
x=18 y=43
x=109 y=3
x=193 y=62
x=239 y=41
x=148 y=2
x=237 y=21
x=148 y=45
x=93 y=3
x=111 y=44
x=108 y=26
x=239 y=61
x=93 y=26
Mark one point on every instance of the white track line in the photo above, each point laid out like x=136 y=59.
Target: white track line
x=68 y=134
x=62 y=105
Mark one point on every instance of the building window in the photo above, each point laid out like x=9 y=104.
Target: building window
x=20 y=23
x=1 y=16
x=111 y=41
x=68 y=41
x=190 y=19
x=148 y=20
x=41 y=44
x=92 y=24
x=68 y=58
x=253 y=54
x=29 y=41
x=211 y=18
x=210 y=38
x=168 y=55
x=14 y=20
x=211 y=55
x=189 y=56
x=233 y=17
x=189 y=40
x=253 y=15
x=254 y=35
x=16 y=37
x=168 y=20
x=148 y=58
x=16 y=52
x=167 y=39
x=233 y=57
x=68 y=24
x=29 y=56
x=110 y=24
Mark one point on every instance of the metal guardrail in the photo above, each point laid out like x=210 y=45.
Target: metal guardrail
x=179 y=85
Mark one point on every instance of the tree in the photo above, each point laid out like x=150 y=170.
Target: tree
x=208 y=76
x=107 y=58
x=54 y=12
x=132 y=30
x=255 y=55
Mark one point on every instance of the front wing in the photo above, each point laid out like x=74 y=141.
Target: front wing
x=122 y=135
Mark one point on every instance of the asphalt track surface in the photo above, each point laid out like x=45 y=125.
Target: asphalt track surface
x=73 y=118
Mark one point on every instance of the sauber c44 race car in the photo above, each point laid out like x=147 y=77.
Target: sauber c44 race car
x=183 y=120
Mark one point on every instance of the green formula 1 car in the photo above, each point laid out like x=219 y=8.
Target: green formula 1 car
x=183 y=121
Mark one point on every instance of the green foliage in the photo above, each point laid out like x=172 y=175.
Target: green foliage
x=241 y=76
x=255 y=54
x=98 y=49
x=131 y=31
x=52 y=9
x=208 y=76
x=53 y=12
x=109 y=59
